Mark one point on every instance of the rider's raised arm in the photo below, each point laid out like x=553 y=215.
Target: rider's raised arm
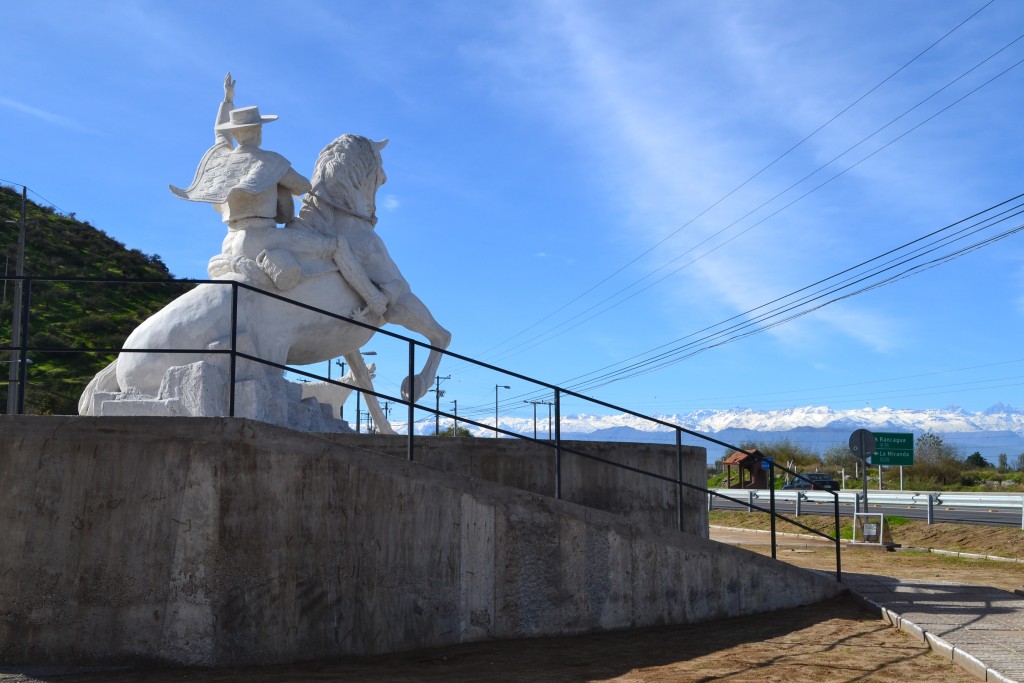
x=224 y=110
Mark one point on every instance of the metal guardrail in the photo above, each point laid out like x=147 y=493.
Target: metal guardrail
x=19 y=349
x=923 y=499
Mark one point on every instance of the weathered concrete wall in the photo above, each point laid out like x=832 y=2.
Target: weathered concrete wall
x=531 y=467
x=219 y=541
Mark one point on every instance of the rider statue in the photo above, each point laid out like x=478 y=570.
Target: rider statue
x=253 y=191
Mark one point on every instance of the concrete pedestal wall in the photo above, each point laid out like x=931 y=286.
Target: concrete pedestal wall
x=219 y=541
x=531 y=467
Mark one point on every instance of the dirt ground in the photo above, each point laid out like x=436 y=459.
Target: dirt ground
x=834 y=641
x=1002 y=541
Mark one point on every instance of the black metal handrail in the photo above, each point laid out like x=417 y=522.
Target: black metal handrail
x=22 y=348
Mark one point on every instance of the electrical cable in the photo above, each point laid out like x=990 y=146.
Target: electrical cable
x=522 y=346
x=751 y=178
x=676 y=358
x=852 y=269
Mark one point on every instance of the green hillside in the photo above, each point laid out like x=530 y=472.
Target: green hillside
x=69 y=314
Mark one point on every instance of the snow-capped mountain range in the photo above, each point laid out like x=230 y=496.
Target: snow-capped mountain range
x=999 y=429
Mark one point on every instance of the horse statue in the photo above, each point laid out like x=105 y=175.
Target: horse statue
x=339 y=211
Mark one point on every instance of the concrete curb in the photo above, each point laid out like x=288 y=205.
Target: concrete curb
x=938 y=645
x=973 y=556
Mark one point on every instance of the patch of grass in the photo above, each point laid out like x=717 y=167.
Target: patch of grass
x=896 y=521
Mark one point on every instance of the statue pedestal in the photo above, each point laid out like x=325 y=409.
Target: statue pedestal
x=200 y=390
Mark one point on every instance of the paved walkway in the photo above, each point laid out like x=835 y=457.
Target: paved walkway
x=979 y=628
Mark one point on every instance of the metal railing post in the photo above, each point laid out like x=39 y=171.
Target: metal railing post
x=234 y=349
x=679 y=473
x=750 y=500
x=799 y=498
x=839 y=561
x=558 y=444
x=412 y=394
x=931 y=509
x=771 y=495
x=856 y=503
x=26 y=298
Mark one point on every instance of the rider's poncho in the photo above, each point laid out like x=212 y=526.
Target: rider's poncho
x=224 y=170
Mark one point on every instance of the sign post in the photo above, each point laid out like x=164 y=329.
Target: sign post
x=862 y=445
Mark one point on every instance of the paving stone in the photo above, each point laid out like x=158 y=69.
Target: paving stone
x=979 y=628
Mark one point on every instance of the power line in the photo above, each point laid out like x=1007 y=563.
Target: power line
x=883 y=380
x=522 y=346
x=792 y=312
x=45 y=201
x=846 y=271
x=748 y=180
x=967 y=228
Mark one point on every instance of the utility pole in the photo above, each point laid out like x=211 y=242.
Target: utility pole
x=359 y=413
x=437 y=402
x=541 y=403
x=455 y=427
x=14 y=369
x=341 y=364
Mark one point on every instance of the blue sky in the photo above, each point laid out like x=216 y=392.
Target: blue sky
x=545 y=155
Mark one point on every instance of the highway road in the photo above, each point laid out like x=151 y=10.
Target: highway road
x=942 y=513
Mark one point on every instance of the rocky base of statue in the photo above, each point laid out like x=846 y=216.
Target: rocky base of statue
x=200 y=389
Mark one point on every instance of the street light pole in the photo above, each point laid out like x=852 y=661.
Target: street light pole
x=496 y=387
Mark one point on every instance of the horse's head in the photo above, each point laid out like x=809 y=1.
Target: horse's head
x=347 y=175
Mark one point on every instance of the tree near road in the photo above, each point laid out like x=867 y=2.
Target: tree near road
x=935 y=462
x=976 y=461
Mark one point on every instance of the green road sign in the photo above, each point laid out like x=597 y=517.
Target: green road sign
x=893 y=449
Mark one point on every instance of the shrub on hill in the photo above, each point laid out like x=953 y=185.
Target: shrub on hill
x=71 y=314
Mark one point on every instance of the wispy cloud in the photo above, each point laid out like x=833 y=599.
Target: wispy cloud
x=667 y=157
x=46 y=116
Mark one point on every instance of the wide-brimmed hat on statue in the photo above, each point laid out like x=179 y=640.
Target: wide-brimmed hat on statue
x=246 y=117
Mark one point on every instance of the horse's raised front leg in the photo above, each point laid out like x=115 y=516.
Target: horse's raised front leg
x=411 y=313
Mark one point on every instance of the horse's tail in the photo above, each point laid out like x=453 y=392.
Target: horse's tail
x=105 y=380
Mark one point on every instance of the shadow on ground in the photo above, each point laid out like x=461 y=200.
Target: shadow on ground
x=837 y=640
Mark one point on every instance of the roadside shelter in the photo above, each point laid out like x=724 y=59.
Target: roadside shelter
x=749 y=474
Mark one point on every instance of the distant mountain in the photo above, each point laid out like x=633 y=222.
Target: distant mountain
x=64 y=314
x=999 y=429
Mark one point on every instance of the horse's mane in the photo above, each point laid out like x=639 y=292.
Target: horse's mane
x=340 y=174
